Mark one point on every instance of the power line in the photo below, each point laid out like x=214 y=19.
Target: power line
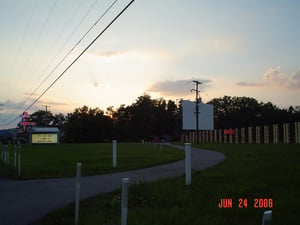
x=72 y=49
x=63 y=59
x=68 y=67
x=23 y=37
x=35 y=43
x=80 y=55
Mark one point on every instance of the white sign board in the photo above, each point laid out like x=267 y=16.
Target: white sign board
x=44 y=138
x=205 y=117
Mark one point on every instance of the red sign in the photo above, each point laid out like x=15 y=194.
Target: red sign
x=25 y=121
x=229 y=132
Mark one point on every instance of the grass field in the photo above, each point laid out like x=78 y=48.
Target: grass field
x=249 y=172
x=48 y=161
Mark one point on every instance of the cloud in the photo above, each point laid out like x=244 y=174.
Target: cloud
x=177 y=88
x=294 y=81
x=249 y=84
x=104 y=53
x=274 y=77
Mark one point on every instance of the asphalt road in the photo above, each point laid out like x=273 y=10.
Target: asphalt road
x=22 y=202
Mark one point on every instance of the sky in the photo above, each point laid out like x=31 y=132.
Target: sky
x=234 y=47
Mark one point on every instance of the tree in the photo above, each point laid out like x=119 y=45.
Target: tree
x=235 y=112
x=42 y=118
x=88 y=125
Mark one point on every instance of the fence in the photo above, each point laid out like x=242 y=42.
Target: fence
x=287 y=133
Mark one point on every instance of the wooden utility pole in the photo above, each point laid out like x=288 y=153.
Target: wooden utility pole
x=46 y=107
x=197 y=108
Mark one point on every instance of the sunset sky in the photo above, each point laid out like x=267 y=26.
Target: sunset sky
x=235 y=47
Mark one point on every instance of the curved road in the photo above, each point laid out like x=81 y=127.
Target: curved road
x=22 y=202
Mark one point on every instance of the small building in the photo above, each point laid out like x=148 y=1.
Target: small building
x=44 y=135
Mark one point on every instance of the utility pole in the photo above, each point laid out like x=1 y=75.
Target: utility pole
x=46 y=107
x=197 y=108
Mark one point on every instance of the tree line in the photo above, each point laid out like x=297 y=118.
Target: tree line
x=149 y=118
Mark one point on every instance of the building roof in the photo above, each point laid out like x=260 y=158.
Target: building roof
x=44 y=130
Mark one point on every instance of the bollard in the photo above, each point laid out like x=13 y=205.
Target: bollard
x=188 y=165
x=267 y=217
x=114 y=153
x=124 y=209
x=19 y=159
x=77 y=197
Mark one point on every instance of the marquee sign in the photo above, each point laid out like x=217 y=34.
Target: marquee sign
x=25 y=121
x=44 y=138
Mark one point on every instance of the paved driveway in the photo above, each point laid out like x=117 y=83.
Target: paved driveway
x=22 y=202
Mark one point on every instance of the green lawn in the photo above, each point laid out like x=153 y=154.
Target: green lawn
x=249 y=172
x=46 y=161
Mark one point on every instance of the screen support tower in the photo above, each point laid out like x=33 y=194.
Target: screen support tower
x=197 y=108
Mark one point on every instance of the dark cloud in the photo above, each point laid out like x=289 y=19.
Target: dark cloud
x=178 y=87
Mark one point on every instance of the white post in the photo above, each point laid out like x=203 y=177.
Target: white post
x=77 y=198
x=188 y=166
x=5 y=154
x=250 y=137
x=236 y=135
x=243 y=136
x=114 y=153
x=19 y=159
x=266 y=134
x=267 y=217
x=2 y=152
x=275 y=134
x=124 y=207
x=257 y=135
x=297 y=132
x=15 y=156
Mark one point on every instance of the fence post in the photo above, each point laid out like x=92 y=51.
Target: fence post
x=286 y=133
x=19 y=159
x=275 y=133
x=216 y=136
x=5 y=154
x=77 y=197
x=257 y=135
x=230 y=138
x=114 y=153
x=220 y=136
x=267 y=217
x=188 y=166
x=297 y=132
x=250 y=136
x=266 y=135
x=15 y=156
x=236 y=135
x=2 y=152
x=243 y=135
x=124 y=209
